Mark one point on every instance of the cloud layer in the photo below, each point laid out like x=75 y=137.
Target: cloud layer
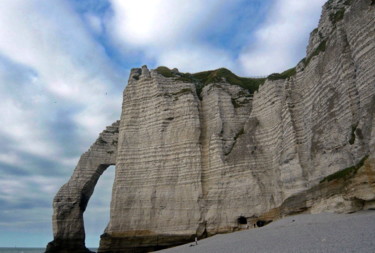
x=282 y=39
x=181 y=34
x=58 y=90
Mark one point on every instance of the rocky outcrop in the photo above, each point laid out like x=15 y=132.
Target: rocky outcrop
x=70 y=202
x=204 y=154
x=346 y=191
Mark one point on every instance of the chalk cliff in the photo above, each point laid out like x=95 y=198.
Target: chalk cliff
x=207 y=153
x=71 y=200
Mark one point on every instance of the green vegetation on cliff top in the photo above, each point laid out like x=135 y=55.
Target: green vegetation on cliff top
x=204 y=78
x=164 y=71
x=284 y=75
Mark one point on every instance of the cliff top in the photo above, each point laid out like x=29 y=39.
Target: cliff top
x=204 y=78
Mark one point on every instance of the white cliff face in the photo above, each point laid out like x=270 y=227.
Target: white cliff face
x=191 y=164
x=299 y=130
x=158 y=163
x=224 y=111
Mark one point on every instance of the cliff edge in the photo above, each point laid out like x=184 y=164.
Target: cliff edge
x=207 y=153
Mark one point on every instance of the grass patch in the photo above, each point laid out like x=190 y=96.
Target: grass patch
x=321 y=48
x=284 y=75
x=164 y=71
x=219 y=75
x=204 y=78
x=345 y=173
x=337 y=16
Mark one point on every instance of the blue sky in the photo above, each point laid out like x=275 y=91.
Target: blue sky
x=65 y=63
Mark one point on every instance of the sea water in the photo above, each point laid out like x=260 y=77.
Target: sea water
x=22 y=250
x=26 y=250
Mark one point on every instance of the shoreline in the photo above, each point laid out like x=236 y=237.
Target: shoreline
x=324 y=232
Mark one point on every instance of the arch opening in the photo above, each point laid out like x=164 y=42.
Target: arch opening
x=97 y=214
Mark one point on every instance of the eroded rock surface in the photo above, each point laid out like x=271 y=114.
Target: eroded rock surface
x=190 y=161
x=71 y=200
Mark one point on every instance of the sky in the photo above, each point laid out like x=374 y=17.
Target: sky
x=65 y=63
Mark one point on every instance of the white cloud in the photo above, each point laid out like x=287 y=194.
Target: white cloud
x=20 y=122
x=95 y=22
x=58 y=90
x=170 y=32
x=22 y=185
x=279 y=42
x=10 y=158
x=159 y=22
x=69 y=68
x=196 y=58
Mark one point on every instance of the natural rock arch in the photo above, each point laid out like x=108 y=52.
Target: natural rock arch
x=71 y=200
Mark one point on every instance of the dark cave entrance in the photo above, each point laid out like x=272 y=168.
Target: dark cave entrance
x=242 y=220
x=261 y=223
